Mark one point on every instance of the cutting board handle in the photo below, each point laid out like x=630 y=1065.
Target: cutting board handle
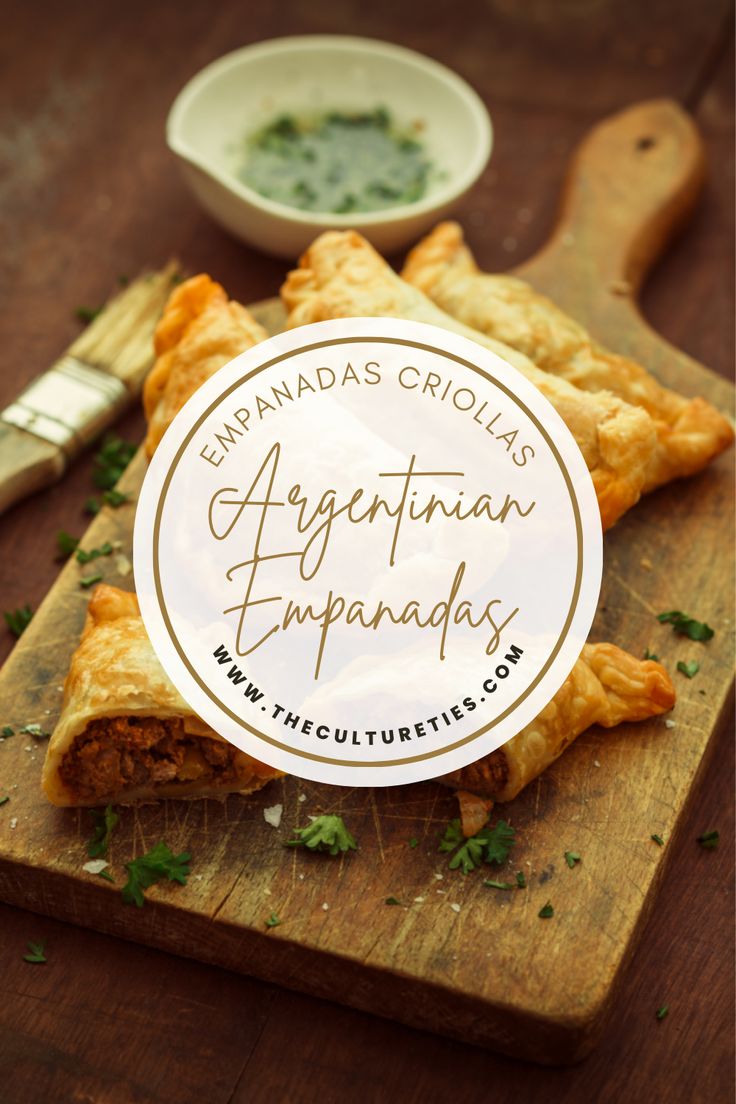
x=631 y=183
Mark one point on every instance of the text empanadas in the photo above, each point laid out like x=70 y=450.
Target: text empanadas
x=690 y=432
x=342 y=276
x=199 y=331
x=607 y=686
x=125 y=734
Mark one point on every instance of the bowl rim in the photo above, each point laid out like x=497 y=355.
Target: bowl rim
x=472 y=103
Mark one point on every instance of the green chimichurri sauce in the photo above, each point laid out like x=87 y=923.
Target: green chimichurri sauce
x=337 y=162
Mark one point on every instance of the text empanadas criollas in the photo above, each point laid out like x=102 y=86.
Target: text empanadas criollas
x=607 y=686
x=199 y=332
x=125 y=734
x=342 y=276
x=690 y=432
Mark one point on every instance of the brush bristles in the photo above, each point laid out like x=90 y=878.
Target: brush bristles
x=120 y=339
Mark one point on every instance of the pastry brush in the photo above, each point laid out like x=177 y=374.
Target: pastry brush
x=101 y=373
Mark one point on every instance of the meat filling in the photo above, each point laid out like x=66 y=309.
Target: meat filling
x=117 y=754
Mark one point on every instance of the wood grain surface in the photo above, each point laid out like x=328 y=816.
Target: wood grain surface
x=531 y=90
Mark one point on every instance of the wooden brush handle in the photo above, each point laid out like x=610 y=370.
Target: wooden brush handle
x=632 y=182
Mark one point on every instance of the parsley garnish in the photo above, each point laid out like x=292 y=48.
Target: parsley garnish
x=498 y=885
x=115 y=498
x=325 y=833
x=18 y=620
x=94 y=553
x=104 y=874
x=111 y=461
x=7 y=731
x=392 y=901
x=520 y=879
x=572 y=858
x=4 y=800
x=66 y=544
x=89 y=581
x=413 y=842
x=651 y=655
x=658 y=840
x=104 y=821
x=273 y=921
x=35 y=953
x=159 y=863
x=92 y=506
x=709 y=840
x=663 y=1011
x=34 y=730
x=546 y=911
x=488 y=845
x=87 y=314
x=690 y=668
x=684 y=625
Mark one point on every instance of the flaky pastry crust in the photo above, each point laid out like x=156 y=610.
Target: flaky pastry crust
x=690 y=432
x=607 y=686
x=115 y=674
x=199 y=332
x=342 y=276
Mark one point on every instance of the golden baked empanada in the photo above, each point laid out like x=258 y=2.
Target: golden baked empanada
x=607 y=686
x=199 y=331
x=690 y=432
x=125 y=734
x=342 y=276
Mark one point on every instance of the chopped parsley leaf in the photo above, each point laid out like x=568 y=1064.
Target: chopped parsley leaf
x=413 y=842
x=663 y=1011
x=87 y=314
x=34 y=730
x=520 y=879
x=115 y=498
x=325 y=833
x=498 y=885
x=158 y=864
x=94 y=553
x=546 y=911
x=572 y=858
x=92 y=506
x=7 y=731
x=4 y=800
x=89 y=581
x=273 y=921
x=104 y=821
x=392 y=901
x=18 y=620
x=66 y=544
x=657 y=839
x=35 y=953
x=111 y=461
x=651 y=655
x=690 y=668
x=684 y=625
x=709 y=840
x=488 y=845
x=104 y=874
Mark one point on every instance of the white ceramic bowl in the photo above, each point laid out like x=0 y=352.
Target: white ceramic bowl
x=234 y=96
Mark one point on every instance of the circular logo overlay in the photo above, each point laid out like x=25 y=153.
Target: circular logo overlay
x=368 y=552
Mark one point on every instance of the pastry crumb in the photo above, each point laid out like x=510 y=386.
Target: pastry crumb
x=325 y=906
x=419 y=900
x=13 y=822
x=645 y=563
x=455 y=907
x=596 y=763
x=302 y=797
x=272 y=815
x=669 y=723
x=95 y=866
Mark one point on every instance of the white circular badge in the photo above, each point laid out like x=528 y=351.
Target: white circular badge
x=368 y=551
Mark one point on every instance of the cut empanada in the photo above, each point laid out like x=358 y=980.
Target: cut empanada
x=125 y=734
x=199 y=332
x=342 y=276
x=607 y=686
x=690 y=432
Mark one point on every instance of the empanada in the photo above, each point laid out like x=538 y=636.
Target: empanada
x=125 y=734
x=199 y=331
x=342 y=276
x=690 y=432
x=607 y=686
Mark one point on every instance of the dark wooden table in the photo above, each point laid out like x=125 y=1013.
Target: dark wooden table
x=89 y=193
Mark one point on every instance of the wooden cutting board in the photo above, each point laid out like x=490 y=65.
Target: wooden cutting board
x=454 y=957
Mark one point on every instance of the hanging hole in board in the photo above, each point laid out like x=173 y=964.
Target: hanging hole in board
x=646 y=143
